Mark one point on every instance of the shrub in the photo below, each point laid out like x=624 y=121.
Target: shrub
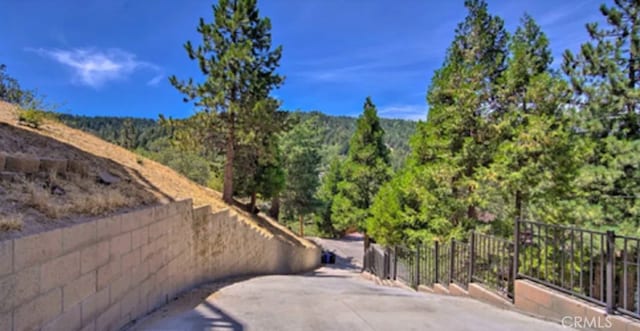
x=31 y=117
x=10 y=223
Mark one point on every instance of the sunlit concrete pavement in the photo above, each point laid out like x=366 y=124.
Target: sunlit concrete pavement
x=337 y=298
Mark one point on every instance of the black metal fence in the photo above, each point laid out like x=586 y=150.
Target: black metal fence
x=492 y=262
x=427 y=274
x=600 y=267
x=376 y=260
x=404 y=265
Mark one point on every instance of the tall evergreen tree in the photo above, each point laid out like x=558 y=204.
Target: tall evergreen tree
x=535 y=161
x=605 y=77
x=326 y=193
x=438 y=190
x=128 y=133
x=259 y=154
x=301 y=155
x=239 y=67
x=366 y=168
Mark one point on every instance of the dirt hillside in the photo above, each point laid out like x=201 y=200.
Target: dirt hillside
x=111 y=179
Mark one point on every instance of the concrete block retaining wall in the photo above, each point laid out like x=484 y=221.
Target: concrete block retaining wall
x=31 y=164
x=544 y=302
x=103 y=274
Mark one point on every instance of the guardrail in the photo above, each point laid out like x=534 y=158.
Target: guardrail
x=492 y=262
x=600 y=267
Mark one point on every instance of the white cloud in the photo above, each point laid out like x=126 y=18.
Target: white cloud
x=155 y=80
x=399 y=60
x=564 y=15
x=95 y=68
x=407 y=112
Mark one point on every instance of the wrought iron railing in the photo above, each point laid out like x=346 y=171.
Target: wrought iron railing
x=627 y=291
x=492 y=262
x=404 y=265
x=427 y=269
x=376 y=261
x=600 y=267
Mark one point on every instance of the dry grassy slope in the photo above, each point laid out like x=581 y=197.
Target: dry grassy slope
x=165 y=183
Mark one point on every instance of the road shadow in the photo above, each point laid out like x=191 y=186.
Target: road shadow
x=318 y=273
x=192 y=310
x=343 y=263
x=351 y=238
x=220 y=321
x=345 y=258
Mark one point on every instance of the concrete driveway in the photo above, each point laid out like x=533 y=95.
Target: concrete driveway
x=333 y=298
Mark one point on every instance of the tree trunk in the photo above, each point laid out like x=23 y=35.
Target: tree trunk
x=518 y=204
x=274 y=211
x=252 y=203
x=301 y=226
x=633 y=79
x=227 y=189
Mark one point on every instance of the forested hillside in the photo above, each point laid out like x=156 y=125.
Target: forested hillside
x=509 y=135
x=145 y=134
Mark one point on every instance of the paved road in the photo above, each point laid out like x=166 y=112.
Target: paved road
x=335 y=298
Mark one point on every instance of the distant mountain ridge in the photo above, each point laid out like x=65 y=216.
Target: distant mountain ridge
x=139 y=133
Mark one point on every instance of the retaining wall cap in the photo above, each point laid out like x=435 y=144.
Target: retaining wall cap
x=78 y=166
x=56 y=165
x=26 y=165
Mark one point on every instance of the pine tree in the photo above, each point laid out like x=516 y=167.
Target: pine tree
x=535 y=161
x=259 y=154
x=128 y=134
x=605 y=77
x=326 y=193
x=438 y=189
x=366 y=168
x=239 y=67
x=301 y=155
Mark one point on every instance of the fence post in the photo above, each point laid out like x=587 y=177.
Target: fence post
x=611 y=246
x=437 y=262
x=452 y=260
x=365 y=261
x=516 y=249
x=417 y=273
x=386 y=265
x=472 y=255
x=366 y=245
x=395 y=262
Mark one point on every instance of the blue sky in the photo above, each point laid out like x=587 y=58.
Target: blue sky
x=112 y=57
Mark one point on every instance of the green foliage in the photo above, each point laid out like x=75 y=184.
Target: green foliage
x=366 y=168
x=507 y=137
x=128 y=134
x=326 y=193
x=31 y=117
x=259 y=157
x=301 y=160
x=339 y=129
x=112 y=129
x=535 y=162
x=33 y=109
x=236 y=58
x=188 y=163
x=437 y=194
x=12 y=92
x=605 y=75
